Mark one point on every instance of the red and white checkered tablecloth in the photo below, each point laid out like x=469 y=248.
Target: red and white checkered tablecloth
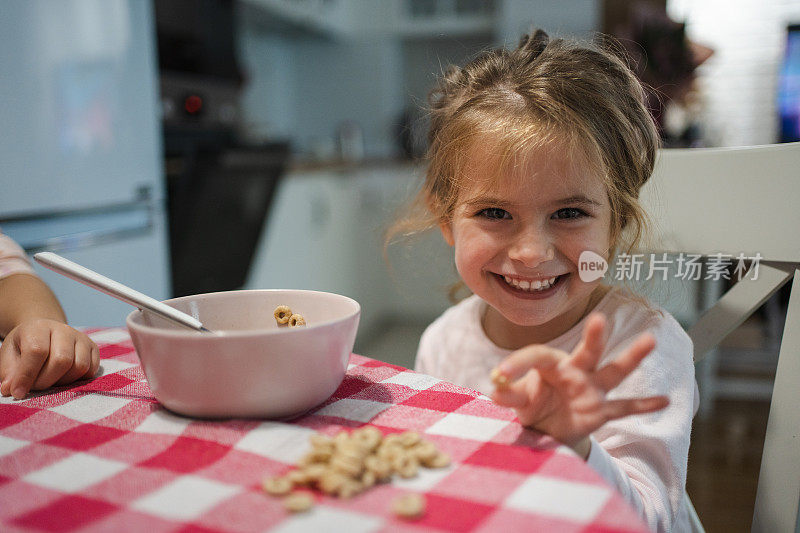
x=103 y=455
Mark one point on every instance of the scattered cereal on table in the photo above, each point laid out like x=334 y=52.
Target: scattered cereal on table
x=298 y=502
x=277 y=486
x=406 y=465
x=409 y=506
x=350 y=463
x=440 y=460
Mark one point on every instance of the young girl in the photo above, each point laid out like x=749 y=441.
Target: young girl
x=39 y=349
x=536 y=156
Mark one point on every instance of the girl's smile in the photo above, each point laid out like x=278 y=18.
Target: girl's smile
x=517 y=244
x=532 y=289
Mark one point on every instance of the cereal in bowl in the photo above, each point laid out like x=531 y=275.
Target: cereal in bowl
x=282 y=314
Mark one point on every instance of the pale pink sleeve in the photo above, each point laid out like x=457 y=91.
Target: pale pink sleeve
x=645 y=456
x=427 y=352
x=12 y=258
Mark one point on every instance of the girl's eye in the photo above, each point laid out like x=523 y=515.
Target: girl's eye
x=494 y=213
x=569 y=212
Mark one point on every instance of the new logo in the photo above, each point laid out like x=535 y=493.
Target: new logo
x=591 y=266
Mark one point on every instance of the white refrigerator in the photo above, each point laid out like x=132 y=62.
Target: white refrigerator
x=81 y=166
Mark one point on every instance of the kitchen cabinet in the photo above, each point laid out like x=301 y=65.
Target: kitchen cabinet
x=403 y=18
x=322 y=16
x=326 y=231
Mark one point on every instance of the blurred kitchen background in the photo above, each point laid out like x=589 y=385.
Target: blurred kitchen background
x=185 y=146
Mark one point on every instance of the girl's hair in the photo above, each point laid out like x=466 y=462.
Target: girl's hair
x=579 y=96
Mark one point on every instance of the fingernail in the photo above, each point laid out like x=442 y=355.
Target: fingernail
x=19 y=393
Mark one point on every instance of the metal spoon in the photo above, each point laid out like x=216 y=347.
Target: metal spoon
x=113 y=288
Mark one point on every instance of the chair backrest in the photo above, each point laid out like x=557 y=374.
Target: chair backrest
x=728 y=200
x=735 y=201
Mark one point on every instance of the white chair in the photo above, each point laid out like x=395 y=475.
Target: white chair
x=744 y=201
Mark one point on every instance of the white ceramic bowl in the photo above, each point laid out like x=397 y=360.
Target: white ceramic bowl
x=248 y=366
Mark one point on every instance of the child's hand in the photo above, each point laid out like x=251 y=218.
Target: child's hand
x=40 y=353
x=563 y=394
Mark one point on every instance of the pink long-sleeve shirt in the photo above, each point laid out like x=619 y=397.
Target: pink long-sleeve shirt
x=643 y=456
x=12 y=258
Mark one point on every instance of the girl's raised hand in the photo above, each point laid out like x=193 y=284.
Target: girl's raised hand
x=564 y=395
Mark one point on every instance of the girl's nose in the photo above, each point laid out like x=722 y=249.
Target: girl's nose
x=531 y=250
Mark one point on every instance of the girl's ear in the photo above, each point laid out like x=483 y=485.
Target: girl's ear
x=447 y=232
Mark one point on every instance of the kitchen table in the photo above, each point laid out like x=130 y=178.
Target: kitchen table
x=104 y=455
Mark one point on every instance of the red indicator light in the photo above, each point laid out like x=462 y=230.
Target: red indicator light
x=193 y=104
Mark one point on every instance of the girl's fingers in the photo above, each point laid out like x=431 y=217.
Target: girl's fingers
x=590 y=350
x=81 y=364
x=517 y=394
x=32 y=347
x=95 y=354
x=536 y=356
x=510 y=398
x=614 y=372
x=9 y=355
x=614 y=409
x=60 y=360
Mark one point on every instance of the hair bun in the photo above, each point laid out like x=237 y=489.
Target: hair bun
x=535 y=44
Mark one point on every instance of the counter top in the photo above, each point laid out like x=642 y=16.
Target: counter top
x=300 y=164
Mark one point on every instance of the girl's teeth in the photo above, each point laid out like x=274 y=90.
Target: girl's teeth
x=530 y=286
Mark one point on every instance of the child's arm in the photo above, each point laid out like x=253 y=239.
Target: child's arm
x=39 y=349
x=25 y=297
x=644 y=457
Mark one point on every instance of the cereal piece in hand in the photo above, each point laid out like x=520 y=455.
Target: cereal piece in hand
x=298 y=502
x=277 y=486
x=500 y=380
x=282 y=314
x=409 y=506
x=296 y=320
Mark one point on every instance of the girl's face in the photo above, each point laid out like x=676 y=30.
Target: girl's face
x=511 y=241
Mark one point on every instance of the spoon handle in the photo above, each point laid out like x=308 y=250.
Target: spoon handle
x=113 y=288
